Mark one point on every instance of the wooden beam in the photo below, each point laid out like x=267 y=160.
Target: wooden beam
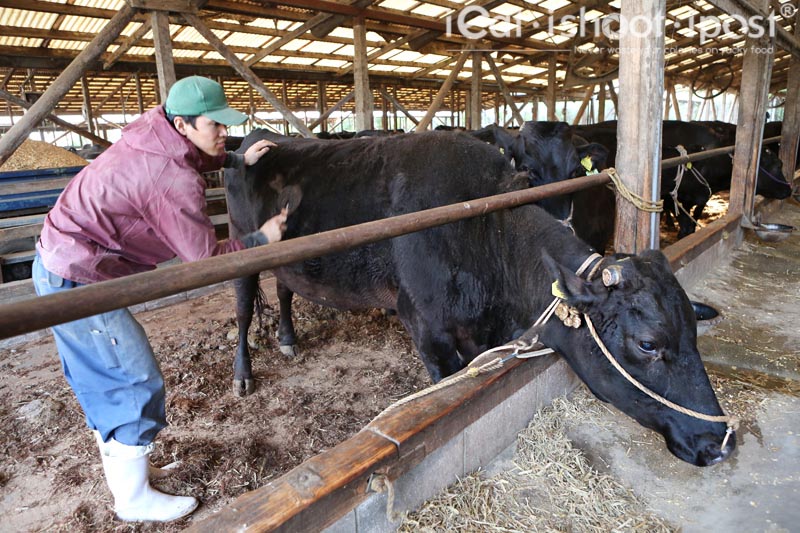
x=746 y=9
x=641 y=75
x=756 y=72
x=475 y=92
x=504 y=90
x=245 y=72
x=88 y=117
x=364 y=104
x=443 y=90
x=586 y=98
x=50 y=98
x=162 y=41
x=601 y=102
x=64 y=124
x=398 y=106
x=550 y=95
x=613 y=94
x=127 y=44
x=673 y=93
x=338 y=105
x=330 y=22
x=175 y=6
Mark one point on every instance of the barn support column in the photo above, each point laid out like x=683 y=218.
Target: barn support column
x=673 y=93
x=550 y=97
x=641 y=75
x=443 y=90
x=790 y=132
x=475 y=107
x=246 y=73
x=690 y=104
x=87 y=105
x=62 y=84
x=322 y=101
x=601 y=102
x=364 y=104
x=162 y=40
x=754 y=91
x=139 y=98
x=284 y=99
x=613 y=94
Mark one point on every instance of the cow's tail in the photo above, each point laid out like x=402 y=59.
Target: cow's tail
x=260 y=306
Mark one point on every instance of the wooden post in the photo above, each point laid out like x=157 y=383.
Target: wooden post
x=285 y=101
x=673 y=93
x=641 y=75
x=162 y=40
x=550 y=98
x=87 y=105
x=139 y=98
x=364 y=104
x=62 y=84
x=790 y=132
x=667 y=103
x=689 y=105
x=613 y=94
x=443 y=90
x=475 y=105
x=584 y=103
x=252 y=109
x=601 y=102
x=246 y=73
x=754 y=91
x=322 y=101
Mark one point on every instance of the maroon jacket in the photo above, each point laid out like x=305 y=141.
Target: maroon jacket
x=140 y=203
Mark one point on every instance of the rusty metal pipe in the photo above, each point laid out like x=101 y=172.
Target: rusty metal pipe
x=44 y=311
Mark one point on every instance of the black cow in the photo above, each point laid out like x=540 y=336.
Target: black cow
x=530 y=150
x=463 y=287
x=773 y=129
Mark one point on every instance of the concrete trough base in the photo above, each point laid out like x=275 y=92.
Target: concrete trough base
x=477 y=446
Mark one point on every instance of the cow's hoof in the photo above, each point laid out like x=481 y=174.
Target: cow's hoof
x=288 y=350
x=243 y=387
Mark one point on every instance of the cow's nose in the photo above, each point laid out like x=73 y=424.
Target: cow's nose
x=714 y=453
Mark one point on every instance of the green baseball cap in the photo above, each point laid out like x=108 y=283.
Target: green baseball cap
x=197 y=95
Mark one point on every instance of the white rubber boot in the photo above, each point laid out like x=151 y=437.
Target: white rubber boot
x=154 y=472
x=127 y=474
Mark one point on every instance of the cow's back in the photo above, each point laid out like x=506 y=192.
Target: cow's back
x=350 y=182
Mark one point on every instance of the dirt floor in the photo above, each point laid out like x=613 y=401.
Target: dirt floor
x=352 y=366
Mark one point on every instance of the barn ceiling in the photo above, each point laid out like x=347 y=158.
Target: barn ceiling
x=297 y=46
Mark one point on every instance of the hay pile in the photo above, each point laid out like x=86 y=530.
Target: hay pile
x=551 y=488
x=32 y=155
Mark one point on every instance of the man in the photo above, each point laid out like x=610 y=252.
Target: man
x=138 y=204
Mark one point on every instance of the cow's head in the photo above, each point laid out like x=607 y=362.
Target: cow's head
x=646 y=321
x=546 y=152
x=771 y=183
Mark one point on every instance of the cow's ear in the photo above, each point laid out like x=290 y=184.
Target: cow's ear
x=567 y=285
x=597 y=154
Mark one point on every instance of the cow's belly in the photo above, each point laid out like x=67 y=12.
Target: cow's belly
x=339 y=294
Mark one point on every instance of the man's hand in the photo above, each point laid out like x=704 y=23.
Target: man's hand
x=256 y=150
x=274 y=227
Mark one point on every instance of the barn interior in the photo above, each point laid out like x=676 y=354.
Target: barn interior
x=74 y=73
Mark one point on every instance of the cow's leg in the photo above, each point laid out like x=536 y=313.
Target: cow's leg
x=246 y=292
x=286 y=335
x=436 y=347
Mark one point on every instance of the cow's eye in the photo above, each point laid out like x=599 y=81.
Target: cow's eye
x=648 y=347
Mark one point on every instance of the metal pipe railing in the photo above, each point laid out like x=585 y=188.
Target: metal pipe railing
x=706 y=154
x=44 y=311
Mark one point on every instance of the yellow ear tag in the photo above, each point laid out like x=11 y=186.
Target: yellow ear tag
x=689 y=165
x=557 y=292
x=502 y=150
x=587 y=164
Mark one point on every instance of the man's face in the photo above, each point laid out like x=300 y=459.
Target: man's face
x=209 y=136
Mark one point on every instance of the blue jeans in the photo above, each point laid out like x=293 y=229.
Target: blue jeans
x=110 y=366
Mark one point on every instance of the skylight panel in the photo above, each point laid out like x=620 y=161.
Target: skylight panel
x=399 y=5
x=299 y=61
x=295 y=44
x=430 y=10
